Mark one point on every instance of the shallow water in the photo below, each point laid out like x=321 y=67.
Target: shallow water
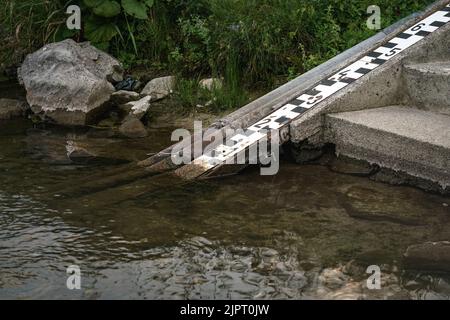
x=305 y=233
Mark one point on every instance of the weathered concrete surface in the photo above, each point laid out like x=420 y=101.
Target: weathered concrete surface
x=428 y=85
x=410 y=144
x=69 y=82
x=381 y=87
x=401 y=138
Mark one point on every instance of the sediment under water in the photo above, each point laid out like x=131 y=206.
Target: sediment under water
x=304 y=233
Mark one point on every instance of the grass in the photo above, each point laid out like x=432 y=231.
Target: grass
x=27 y=25
x=254 y=45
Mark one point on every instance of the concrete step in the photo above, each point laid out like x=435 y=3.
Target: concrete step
x=428 y=85
x=397 y=137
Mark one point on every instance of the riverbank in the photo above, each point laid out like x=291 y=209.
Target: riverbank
x=253 y=45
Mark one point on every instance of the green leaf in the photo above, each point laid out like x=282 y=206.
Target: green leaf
x=64 y=33
x=130 y=31
x=107 y=9
x=135 y=8
x=149 y=3
x=104 y=46
x=93 y=3
x=99 y=33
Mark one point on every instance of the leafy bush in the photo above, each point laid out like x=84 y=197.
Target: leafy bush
x=250 y=43
x=105 y=20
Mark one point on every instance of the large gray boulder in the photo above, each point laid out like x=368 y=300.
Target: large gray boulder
x=69 y=82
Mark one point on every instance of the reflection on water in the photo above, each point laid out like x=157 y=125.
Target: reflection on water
x=305 y=233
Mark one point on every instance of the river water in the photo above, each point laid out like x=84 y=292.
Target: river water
x=306 y=233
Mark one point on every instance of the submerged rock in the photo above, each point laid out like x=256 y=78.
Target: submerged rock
x=433 y=256
x=10 y=108
x=133 y=128
x=86 y=152
x=378 y=204
x=159 y=88
x=69 y=82
x=69 y=148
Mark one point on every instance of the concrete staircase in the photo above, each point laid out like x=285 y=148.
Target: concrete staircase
x=413 y=138
x=428 y=85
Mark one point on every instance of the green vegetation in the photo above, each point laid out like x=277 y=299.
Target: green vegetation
x=252 y=44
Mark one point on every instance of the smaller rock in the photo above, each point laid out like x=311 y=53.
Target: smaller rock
x=133 y=128
x=10 y=108
x=434 y=256
x=211 y=83
x=122 y=97
x=138 y=108
x=159 y=88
